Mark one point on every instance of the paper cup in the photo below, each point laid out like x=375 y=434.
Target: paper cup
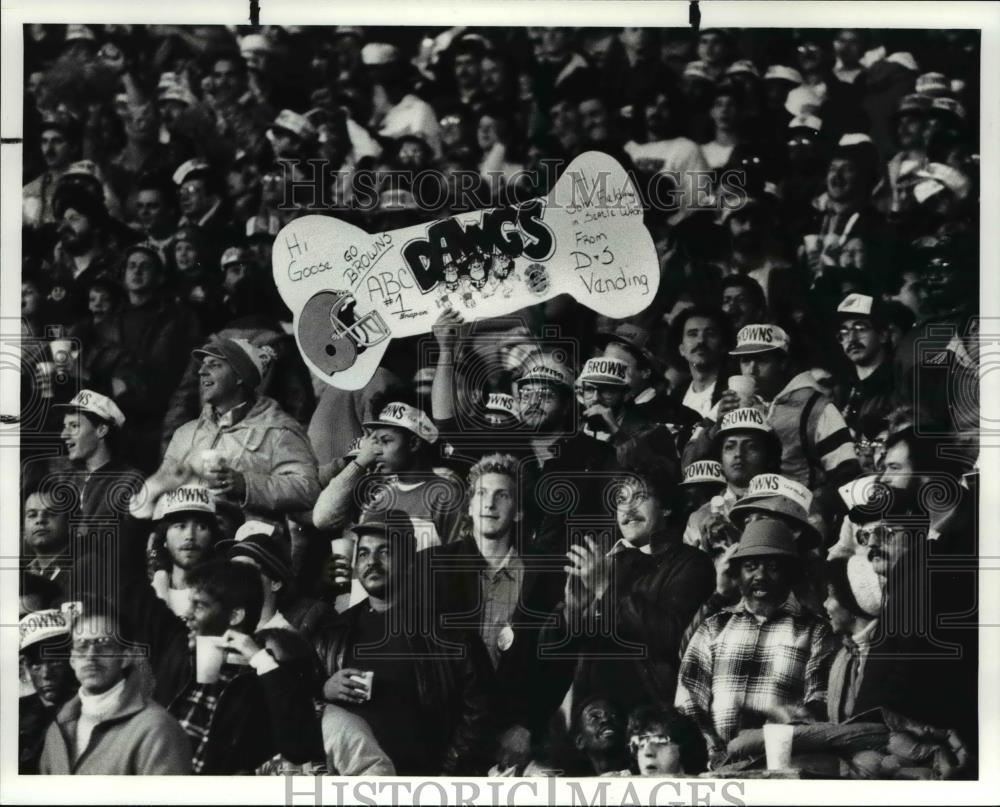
x=209 y=654
x=778 y=746
x=344 y=546
x=813 y=242
x=745 y=386
x=62 y=350
x=365 y=680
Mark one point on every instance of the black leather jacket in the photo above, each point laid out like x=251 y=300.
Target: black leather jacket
x=455 y=684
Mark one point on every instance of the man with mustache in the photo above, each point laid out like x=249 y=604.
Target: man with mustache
x=60 y=134
x=626 y=609
x=429 y=705
x=703 y=337
x=187 y=529
x=864 y=338
x=765 y=659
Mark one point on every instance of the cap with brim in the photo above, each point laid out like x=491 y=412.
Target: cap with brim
x=186 y=169
x=295 y=124
x=546 y=368
x=860 y=306
x=704 y=472
x=949 y=178
x=185 y=499
x=743 y=67
x=763 y=486
x=404 y=416
x=697 y=70
x=79 y=33
x=96 y=404
x=759 y=338
x=181 y=95
x=243 y=357
x=43 y=626
x=780 y=72
x=381 y=522
x=257 y=540
x=380 y=54
x=932 y=84
x=913 y=104
x=766 y=538
x=64 y=122
x=501 y=402
x=948 y=106
x=607 y=372
x=781 y=507
x=746 y=418
x=632 y=336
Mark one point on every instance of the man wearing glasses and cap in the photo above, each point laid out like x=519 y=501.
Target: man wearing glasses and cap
x=864 y=338
x=765 y=659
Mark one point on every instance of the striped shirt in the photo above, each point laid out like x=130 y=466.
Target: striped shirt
x=736 y=668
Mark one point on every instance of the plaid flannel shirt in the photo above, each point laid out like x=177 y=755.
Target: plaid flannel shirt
x=735 y=668
x=194 y=712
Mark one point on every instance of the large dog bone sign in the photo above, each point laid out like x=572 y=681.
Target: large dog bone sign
x=351 y=292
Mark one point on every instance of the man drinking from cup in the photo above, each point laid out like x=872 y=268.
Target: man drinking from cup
x=765 y=659
x=817 y=447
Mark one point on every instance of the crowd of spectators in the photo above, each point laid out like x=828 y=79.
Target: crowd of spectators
x=501 y=556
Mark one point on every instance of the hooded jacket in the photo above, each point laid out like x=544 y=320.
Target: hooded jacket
x=267 y=446
x=139 y=737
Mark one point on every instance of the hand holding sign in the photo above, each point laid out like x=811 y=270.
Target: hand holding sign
x=351 y=291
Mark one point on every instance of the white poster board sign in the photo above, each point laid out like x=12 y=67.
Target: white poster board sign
x=351 y=292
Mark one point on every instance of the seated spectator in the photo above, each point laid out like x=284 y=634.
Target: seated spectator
x=45 y=535
x=265 y=463
x=643 y=592
x=44 y=645
x=254 y=710
x=431 y=715
x=723 y=683
x=746 y=446
x=111 y=726
x=397 y=453
x=664 y=742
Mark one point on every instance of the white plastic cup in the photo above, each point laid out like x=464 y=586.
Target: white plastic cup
x=211 y=459
x=813 y=243
x=344 y=546
x=778 y=746
x=365 y=679
x=745 y=386
x=209 y=654
x=62 y=350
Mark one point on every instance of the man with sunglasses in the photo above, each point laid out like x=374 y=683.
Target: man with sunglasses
x=765 y=659
x=864 y=337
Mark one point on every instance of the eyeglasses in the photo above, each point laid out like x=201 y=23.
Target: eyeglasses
x=881 y=532
x=637 y=741
x=543 y=395
x=857 y=329
x=103 y=644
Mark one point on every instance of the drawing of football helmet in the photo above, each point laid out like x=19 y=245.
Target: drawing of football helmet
x=331 y=334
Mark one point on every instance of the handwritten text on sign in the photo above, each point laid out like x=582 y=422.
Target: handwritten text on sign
x=351 y=292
